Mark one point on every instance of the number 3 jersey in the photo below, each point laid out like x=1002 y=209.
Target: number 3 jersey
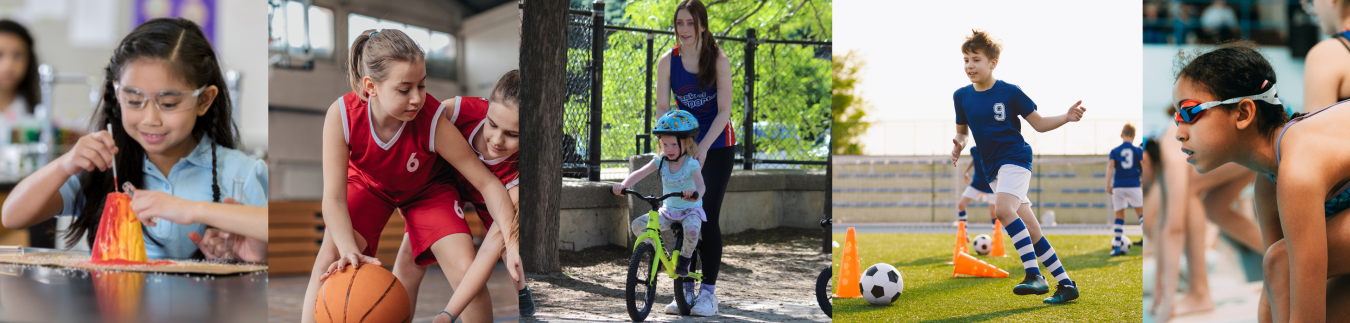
x=402 y=166
x=1126 y=158
x=992 y=116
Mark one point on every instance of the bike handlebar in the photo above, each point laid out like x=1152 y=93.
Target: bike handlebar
x=655 y=200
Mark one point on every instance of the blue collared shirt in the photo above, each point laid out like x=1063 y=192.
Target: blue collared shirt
x=189 y=179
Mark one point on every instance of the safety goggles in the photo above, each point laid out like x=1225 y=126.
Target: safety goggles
x=1188 y=111
x=167 y=101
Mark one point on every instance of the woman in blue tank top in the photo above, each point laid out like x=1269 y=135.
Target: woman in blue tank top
x=697 y=75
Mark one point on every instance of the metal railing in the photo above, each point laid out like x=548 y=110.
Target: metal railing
x=606 y=100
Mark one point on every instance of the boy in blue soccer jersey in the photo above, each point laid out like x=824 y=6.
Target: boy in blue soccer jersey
x=990 y=109
x=977 y=190
x=1122 y=183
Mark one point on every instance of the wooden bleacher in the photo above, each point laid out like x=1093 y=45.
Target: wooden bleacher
x=295 y=231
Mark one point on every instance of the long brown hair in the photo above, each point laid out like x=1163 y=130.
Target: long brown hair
x=182 y=46
x=373 y=51
x=29 y=86
x=707 y=59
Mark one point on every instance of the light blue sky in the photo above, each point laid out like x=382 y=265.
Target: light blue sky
x=1059 y=52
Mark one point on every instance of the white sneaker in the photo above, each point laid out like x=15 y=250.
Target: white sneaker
x=673 y=308
x=705 y=305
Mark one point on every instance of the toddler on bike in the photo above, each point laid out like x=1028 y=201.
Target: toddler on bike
x=679 y=173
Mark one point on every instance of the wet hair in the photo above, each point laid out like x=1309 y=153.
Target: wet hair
x=707 y=60
x=373 y=52
x=1127 y=131
x=980 y=41
x=28 y=87
x=1153 y=152
x=1234 y=70
x=184 y=49
x=507 y=90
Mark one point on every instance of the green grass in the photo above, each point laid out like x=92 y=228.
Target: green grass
x=1109 y=288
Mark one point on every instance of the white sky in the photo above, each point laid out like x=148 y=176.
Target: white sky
x=1059 y=52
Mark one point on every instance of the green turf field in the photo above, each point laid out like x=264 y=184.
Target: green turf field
x=1109 y=288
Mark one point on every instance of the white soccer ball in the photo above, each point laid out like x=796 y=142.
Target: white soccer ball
x=881 y=284
x=1125 y=244
x=983 y=244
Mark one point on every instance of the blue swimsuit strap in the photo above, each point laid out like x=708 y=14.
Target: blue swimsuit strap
x=1286 y=128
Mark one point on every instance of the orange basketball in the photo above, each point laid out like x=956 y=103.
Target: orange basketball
x=368 y=294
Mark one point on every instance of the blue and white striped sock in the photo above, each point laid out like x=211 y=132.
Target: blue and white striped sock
x=961 y=215
x=1022 y=241
x=1047 y=255
x=1141 y=219
x=1120 y=231
x=993 y=221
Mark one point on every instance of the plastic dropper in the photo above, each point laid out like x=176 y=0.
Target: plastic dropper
x=114 y=163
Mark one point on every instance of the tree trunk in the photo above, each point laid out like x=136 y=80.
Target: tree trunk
x=829 y=202
x=543 y=55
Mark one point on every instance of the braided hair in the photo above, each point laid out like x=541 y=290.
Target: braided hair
x=182 y=46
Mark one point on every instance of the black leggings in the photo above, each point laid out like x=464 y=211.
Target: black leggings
x=716 y=174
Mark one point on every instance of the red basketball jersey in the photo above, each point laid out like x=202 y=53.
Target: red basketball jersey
x=470 y=115
x=400 y=167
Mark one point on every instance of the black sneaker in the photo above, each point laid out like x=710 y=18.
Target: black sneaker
x=682 y=267
x=1033 y=284
x=1063 y=294
x=526 y=302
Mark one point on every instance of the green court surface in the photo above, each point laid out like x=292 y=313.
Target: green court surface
x=1109 y=288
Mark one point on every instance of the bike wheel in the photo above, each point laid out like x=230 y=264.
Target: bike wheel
x=640 y=290
x=683 y=301
x=823 y=292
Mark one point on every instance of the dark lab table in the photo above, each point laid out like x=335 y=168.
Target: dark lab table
x=61 y=294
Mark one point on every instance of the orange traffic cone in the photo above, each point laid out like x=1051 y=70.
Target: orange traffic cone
x=965 y=264
x=850 y=271
x=998 y=241
x=961 y=241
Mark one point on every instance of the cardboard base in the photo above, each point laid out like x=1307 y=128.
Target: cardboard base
x=82 y=261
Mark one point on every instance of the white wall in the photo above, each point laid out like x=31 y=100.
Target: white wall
x=491 y=47
x=237 y=43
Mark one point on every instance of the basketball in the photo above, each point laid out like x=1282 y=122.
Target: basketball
x=368 y=294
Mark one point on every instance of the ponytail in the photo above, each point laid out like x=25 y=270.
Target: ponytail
x=373 y=50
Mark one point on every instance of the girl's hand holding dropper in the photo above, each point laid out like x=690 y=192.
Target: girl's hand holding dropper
x=92 y=152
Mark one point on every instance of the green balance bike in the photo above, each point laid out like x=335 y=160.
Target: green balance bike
x=651 y=258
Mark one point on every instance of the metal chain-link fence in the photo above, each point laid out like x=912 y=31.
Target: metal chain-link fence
x=575 y=113
x=791 y=116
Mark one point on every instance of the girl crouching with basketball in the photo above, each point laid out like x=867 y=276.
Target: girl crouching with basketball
x=382 y=150
x=680 y=173
x=1228 y=111
x=164 y=99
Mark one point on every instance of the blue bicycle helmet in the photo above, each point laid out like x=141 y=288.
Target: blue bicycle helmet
x=678 y=123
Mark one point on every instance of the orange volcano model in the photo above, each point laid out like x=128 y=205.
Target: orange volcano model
x=119 y=237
